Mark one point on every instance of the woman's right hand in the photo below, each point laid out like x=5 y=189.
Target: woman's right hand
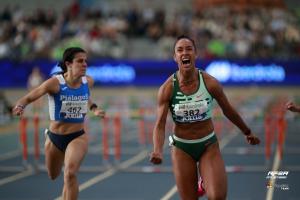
x=156 y=158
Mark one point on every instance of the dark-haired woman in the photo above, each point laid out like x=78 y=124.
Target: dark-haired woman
x=69 y=100
x=189 y=95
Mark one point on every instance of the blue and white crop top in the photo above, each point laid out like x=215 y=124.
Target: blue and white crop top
x=69 y=105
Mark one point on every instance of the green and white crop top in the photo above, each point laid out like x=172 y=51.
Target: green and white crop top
x=190 y=108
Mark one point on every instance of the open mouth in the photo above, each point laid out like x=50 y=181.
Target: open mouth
x=186 y=61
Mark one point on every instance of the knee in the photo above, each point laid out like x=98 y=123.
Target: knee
x=69 y=175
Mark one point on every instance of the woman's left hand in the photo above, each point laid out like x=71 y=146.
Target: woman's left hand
x=99 y=112
x=252 y=139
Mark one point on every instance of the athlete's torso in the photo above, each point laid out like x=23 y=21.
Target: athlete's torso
x=69 y=105
x=191 y=108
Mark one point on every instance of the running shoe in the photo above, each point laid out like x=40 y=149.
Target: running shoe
x=201 y=191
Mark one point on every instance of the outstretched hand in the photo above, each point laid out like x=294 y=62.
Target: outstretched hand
x=99 y=112
x=292 y=107
x=18 y=110
x=156 y=158
x=252 y=139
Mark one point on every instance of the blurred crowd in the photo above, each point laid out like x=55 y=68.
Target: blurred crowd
x=220 y=32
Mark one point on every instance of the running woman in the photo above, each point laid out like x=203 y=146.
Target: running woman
x=69 y=100
x=189 y=95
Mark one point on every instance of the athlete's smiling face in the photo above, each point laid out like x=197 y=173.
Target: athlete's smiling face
x=78 y=65
x=185 y=53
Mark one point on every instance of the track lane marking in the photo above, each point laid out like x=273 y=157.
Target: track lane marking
x=17 y=176
x=125 y=164
x=275 y=167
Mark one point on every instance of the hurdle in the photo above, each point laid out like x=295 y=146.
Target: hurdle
x=141 y=127
x=111 y=129
x=146 y=126
x=117 y=136
x=23 y=140
x=23 y=124
x=117 y=127
x=105 y=144
x=275 y=129
x=36 y=121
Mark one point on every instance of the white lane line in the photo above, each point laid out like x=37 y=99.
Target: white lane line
x=275 y=167
x=224 y=141
x=13 y=169
x=135 y=159
x=9 y=155
x=170 y=193
x=16 y=177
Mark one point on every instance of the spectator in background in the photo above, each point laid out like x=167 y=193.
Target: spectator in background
x=5 y=109
x=35 y=79
x=251 y=32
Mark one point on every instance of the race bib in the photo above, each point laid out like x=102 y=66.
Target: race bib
x=74 y=109
x=190 y=109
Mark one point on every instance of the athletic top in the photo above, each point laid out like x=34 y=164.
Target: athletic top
x=190 y=108
x=69 y=105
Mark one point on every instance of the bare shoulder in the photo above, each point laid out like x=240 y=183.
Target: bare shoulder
x=90 y=80
x=52 y=81
x=51 y=85
x=166 y=89
x=211 y=83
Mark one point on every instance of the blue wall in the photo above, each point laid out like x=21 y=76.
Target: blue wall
x=154 y=73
